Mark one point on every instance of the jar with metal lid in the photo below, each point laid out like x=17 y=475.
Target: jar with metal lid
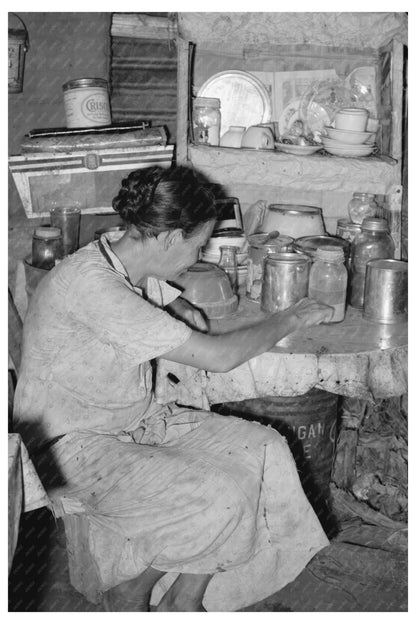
x=361 y=206
x=285 y=280
x=328 y=280
x=47 y=247
x=86 y=103
x=206 y=120
x=347 y=230
x=258 y=249
x=373 y=242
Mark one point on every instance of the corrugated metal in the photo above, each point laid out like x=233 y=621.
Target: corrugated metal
x=144 y=81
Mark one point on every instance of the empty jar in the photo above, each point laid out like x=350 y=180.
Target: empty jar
x=373 y=242
x=328 y=280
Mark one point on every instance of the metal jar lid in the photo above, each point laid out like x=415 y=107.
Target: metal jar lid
x=287 y=257
x=309 y=244
x=375 y=224
x=349 y=225
x=207 y=102
x=330 y=254
x=48 y=232
x=280 y=242
x=295 y=209
x=80 y=83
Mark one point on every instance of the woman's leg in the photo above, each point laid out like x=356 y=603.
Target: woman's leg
x=132 y=595
x=186 y=593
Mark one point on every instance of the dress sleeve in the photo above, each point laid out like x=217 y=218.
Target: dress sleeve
x=137 y=330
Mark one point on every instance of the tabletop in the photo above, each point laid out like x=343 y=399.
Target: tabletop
x=355 y=358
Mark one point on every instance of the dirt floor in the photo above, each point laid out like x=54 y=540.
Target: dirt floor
x=344 y=577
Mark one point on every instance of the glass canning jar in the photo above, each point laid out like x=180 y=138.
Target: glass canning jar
x=373 y=242
x=228 y=263
x=47 y=247
x=206 y=120
x=361 y=206
x=328 y=280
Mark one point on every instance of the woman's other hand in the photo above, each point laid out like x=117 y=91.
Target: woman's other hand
x=310 y=312
x=185 y=311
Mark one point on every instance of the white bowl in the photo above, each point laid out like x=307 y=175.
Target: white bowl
x=333 y=143
x=349 y=136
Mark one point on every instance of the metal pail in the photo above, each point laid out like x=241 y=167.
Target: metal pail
x=385 y=292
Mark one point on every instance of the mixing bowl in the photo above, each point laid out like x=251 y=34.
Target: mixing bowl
x=208 y=288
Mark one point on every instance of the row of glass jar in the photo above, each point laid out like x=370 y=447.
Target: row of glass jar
x=278 y=280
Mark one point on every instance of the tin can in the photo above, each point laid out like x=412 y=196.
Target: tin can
x=257 y=252
x=86 y=103
x=385 y=293
x=285 y=280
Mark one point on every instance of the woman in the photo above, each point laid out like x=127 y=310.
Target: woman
x=201 y=511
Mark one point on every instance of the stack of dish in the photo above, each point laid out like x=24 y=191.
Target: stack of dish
x=349 y=143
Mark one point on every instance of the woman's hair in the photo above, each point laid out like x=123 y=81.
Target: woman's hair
x=156 y=200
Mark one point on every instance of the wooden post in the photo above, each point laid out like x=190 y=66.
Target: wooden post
x=183 y=95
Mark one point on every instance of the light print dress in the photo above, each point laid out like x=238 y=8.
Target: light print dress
x=178 y=489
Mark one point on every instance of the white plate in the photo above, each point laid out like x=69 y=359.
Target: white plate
x=297 y=150
x=339 y=144
x=245 y=100
x=349 y=152
x=349 y=136
x=316 y=116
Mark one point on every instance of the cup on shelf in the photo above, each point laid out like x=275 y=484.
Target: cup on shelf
x=258 y=137
x=68 y=219
x=353 y=119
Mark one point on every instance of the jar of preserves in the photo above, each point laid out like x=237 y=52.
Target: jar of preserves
x=373 y=242
x=361 y=206
x=328 y=280
x=47 y=247
x=206 y=120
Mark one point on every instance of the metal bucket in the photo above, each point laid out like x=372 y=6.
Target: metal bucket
x=285 y=280
x=385 y=292
x=309 y=424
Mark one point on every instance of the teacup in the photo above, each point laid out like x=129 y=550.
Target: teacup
x=258 y=137
x=353 y=119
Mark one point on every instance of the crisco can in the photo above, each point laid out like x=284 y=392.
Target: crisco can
x=87 y=103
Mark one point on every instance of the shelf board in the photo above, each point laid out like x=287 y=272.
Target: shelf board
x=317 y=172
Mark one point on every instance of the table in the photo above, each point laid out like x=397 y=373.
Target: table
x=25 y=490
x=357 y=359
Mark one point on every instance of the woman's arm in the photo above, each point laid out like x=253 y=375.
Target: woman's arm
x=224 y=352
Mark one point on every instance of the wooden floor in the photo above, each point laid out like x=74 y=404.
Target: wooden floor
x=345 y=577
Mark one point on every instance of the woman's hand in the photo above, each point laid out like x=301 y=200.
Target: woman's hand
x=185 y=311
x=309 y=312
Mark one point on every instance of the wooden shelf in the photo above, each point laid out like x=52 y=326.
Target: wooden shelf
x=318 y=172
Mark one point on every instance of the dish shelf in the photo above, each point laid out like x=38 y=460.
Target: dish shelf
x=317 y=172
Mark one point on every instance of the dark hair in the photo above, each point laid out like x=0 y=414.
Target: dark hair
x=155 y=200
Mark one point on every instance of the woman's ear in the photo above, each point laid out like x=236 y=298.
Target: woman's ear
x=170 y=238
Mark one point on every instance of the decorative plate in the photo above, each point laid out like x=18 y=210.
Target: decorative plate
x=297 y=150
x=245 y=100
x=316 y=116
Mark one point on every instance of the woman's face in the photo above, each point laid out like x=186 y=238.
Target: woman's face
x=184 y=252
